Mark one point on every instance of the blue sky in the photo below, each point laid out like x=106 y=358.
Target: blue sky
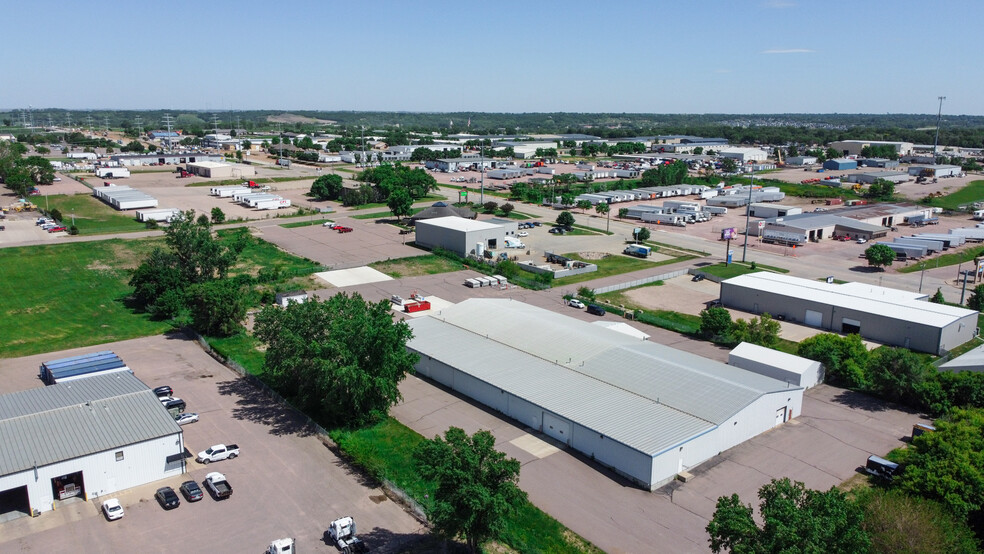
x=712 y=56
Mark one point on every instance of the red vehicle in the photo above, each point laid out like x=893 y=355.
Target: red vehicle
x=341 y=229
x=184 y=174
x=57 y=229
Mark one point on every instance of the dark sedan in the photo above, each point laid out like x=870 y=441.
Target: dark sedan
x=191 y=491
x=168 y=498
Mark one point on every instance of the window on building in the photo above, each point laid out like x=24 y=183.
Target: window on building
x=119 y=456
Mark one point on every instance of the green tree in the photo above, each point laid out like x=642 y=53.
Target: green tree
x=327 y=187
x=762 y=330
x=715 y=324
x=898 y=522
x=507 y=209
x=340 y=360
x=565 y=219
x=201 y=256
x=604 y=208
x=947 y=465
x=879 y=255
x=643 y=234
x=699 y=150
x=218 y=216
x=217 y=307
x=583 y=205
x=476 y=485
x=796 y=519
x=844 y=359
x=490 y=207
x=158 y=284
x=567 y=199
x=937 y=298
x=976 y=300
x=42 y=150
x=729 y=165
x=622 y=213
x=898 y=374
x=400 y=203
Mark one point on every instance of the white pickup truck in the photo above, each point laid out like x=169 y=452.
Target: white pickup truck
x=218 y=452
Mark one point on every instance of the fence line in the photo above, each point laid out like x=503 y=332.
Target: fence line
x=639 y=282
x=410 y=505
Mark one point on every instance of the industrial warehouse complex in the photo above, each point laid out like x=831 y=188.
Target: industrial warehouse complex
x=882 y=314
x=85 y=438
x=645 y=410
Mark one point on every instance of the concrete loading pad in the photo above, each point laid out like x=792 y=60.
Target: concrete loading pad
x=353 y=276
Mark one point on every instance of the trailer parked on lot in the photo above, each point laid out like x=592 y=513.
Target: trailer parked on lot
x=163 y=214
x=79 y=367
x=675 y=220
x=907 y=250
x=112 y=172
x=272 y=204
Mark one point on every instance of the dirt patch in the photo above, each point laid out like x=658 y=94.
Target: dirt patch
x=378 y=498
x=294 y=118
x=594 y=255
x=98 y=266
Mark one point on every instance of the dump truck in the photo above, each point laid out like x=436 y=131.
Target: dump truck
x=342 y=531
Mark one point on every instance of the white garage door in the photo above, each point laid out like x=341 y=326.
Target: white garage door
x=813 y=319
x=557 y=428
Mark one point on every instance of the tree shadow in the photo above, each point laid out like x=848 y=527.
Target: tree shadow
x=866 y=269
x=254 y=404
x=384 y=540
x=861 y=401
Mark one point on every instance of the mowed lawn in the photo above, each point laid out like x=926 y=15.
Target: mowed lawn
x=92 y=217
x=69 y=295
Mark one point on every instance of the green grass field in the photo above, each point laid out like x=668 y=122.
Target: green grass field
x=430 y=264
x=944 y=260
x=92 y=217
x=737 y=268
x=973 y=192
x=70 y=295
x=383 y=215
x=612 y=264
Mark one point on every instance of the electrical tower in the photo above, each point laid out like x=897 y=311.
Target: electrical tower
x=139 y=126
x=215 y=124
x=88 y=122
x=68 y=117
x=167 y=123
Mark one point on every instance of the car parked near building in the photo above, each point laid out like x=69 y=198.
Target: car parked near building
x=112 y=509
x=185 y=418
x=167 y=498
x=575 y=303
x=163 y=391
x=191 y=491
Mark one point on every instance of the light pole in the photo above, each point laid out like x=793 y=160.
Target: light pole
x=481 y=196
x=939 y=117
x=963 y=291
x=748 y=212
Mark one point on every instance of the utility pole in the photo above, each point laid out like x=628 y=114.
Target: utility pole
x=167 y=123
x=748 y=212
x=482 y=194
x=936 y=141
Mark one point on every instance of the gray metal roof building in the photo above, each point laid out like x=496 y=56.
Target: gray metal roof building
x=882 y=314
x=646 y=410
x=102 y=434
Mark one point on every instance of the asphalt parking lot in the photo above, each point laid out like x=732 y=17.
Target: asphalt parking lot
x=822 y=447
x=286 y=481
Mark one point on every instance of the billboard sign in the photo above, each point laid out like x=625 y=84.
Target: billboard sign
x=729 y=233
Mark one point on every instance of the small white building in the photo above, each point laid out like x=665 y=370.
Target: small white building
x=801 y=160
x=219 y=170
x=84 y=439
x=791 y=369
x=459 y=235
x=285 y=298
x=934 y=171
x=745 y=154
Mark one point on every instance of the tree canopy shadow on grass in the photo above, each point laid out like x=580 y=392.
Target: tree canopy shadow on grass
x=255 y=405
x=867 y=269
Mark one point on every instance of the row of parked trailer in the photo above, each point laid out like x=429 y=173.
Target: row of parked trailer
x=487 y=281
x=252 y=197
x=917 y=246
x=124 y=198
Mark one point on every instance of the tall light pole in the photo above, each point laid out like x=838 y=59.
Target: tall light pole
x=936 y=141
x=481 y=195
x=748 y=212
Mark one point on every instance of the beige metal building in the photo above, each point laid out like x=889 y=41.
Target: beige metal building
x=219 y=170
x=854 y=147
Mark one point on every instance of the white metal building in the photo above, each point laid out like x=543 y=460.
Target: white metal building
x=791 y=369
x=801 y=160
x=935 y=170
x=218 y=170
x=890 y=316
x=124 y=198
x=459 y=235
x=745 y=154
x=643 y=409
x=86 y=438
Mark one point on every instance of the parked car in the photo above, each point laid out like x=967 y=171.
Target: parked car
x=169 y=399
x=697 y=277
x=535 y=224
x=167 y=498
x=862 y=240
x=595 y=309
x=163 y=391
x=112 y=509
x=342 y=229
x=557 y=230
x=575 y=303
x=522 y=234
x=57 y=229
x=191 y=491
x=218 y=452
x=329 y=224
x=186 y=418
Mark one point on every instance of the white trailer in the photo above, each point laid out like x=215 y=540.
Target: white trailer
x=676 y=220
x=272 y=204
x=163 y=214
x=112 y=172
x=228 y=190
x=473 y=283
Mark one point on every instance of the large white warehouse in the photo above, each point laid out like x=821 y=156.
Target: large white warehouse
x=643 y=409
x=83 y=439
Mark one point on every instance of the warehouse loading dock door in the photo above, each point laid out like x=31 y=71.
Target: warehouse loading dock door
x=14 y=503
x=850 y=326
x=813 y=319
x=557 y=428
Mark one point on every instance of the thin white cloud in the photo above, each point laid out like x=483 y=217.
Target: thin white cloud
x=788 y=51
x=723 y=71
x=778 y=4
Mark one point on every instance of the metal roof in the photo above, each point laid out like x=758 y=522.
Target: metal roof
x=874 y=300
x=458 y=224
x=65 y=421
x=774 y=358
x=647 y=396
